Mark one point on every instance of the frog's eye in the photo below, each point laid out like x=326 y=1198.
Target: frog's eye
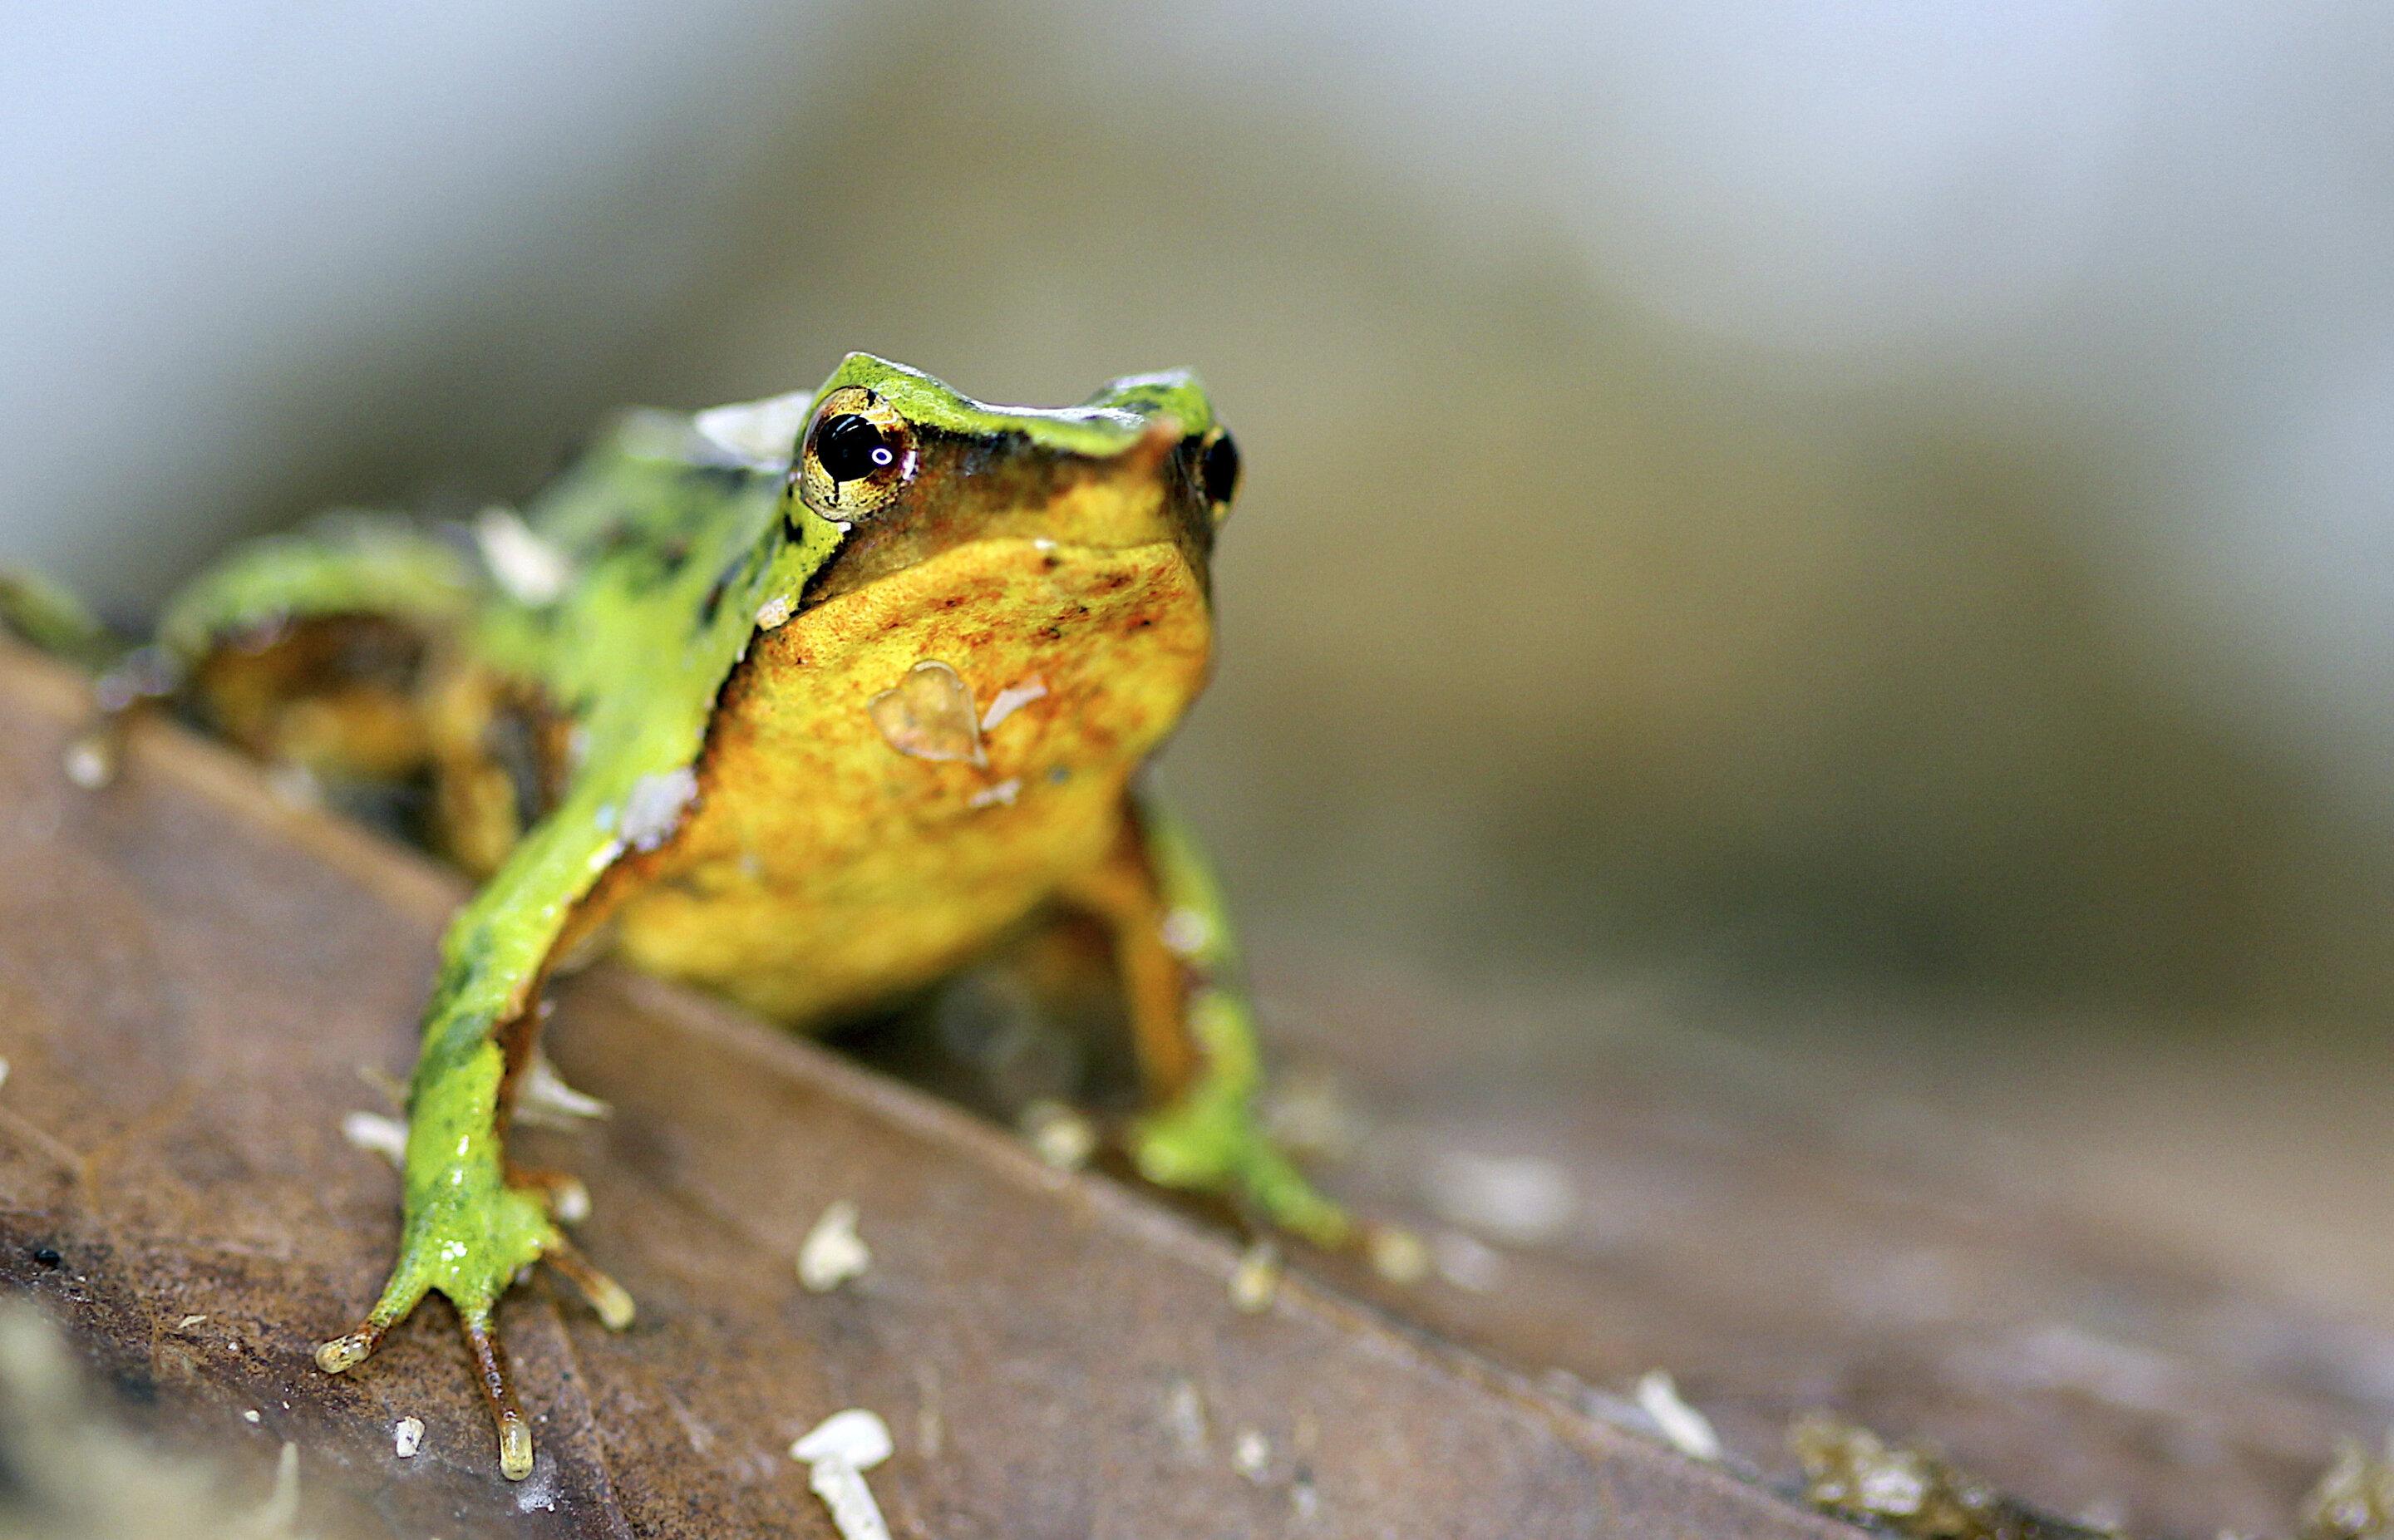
x=856 y=457
x=1218 y=471
x=851 y=447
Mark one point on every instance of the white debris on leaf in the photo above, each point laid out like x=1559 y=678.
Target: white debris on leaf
x=1466 y=1261
x=1256 y=1279
x=1690 y=1431
x=546 y=1100
x=1398 y=1255
x=252 y=1415
x=655 y=806
x=1011 y=699
x=376 y=1135
x=407 y=1437
x=775 y=610
x=833 y=1252
x=530 y=568
x=294 y=785
x=760 y=434
x=1184 y=1414
x=89 y=763
x=1001 y=794
x=1062 y=1137
x=838 y=1451
x=1519 y=1198
x=1251 y=1455
x=273 y=1517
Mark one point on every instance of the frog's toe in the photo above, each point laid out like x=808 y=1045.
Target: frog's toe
x=1217 y=1147
x=498 y=1392
x=345 y=1352
x=568 y=1200
x=402 y=1294
x=608 y=1300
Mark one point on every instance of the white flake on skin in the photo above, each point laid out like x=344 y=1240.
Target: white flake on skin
x=655 y=806
x=530 y=568
x=1013 y=697
x=1003 y=793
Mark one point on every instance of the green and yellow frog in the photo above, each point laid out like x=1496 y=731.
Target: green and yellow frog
x=807 y=701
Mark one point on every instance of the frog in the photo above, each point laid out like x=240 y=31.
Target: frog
x=805 y=701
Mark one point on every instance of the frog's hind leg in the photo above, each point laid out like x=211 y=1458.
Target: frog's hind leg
x=52 y=620
x=1193 y=1028
x=300 y=648
x=308 y=648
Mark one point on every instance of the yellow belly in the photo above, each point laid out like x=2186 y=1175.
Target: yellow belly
x=828 y=861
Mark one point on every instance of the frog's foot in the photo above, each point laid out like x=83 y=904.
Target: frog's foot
x=1210 y=1141
x=468 y=1241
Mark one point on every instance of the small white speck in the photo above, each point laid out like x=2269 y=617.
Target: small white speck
x=856 y=1436
x=465 y=1142
x=1251 y=1455
x=376 y=1135
x=1186 y=931
x=655 y=806
x=1043 y=544
x=838 y=1451
x=570 y=1203
x=1062 y=1137
x=88 y=765
x=1519 y=1198
x=4 y=1072
x=1690 y=1431
x=188 y=1321
x=253 y=1415
x=833 y=1252
x=1398 y=1253
x=453 y=1251
x=1256 y=1278
x=842 y=525
x=530 y=568
x=774 y=611
x=1467 y=1262
x=282 y=1506
x=1011 y=699
x=407 y=1437
x=1184 y=1414
x=294 y=785
x=1001 y=794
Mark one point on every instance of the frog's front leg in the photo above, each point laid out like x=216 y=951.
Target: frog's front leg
x=471 y=1224
x=1193 y=1029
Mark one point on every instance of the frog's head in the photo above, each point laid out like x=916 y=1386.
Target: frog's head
x=912 y=468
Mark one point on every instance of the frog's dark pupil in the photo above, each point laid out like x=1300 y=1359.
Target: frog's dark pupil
x=851 y=447
x=1219 y=469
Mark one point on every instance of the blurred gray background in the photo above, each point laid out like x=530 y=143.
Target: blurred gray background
x=1869 y=520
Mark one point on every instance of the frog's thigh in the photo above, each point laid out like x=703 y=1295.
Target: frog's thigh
x=307 y=647
x=1193 y=1028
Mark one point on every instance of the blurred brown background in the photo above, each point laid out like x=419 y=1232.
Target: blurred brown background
x=1863 y=527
